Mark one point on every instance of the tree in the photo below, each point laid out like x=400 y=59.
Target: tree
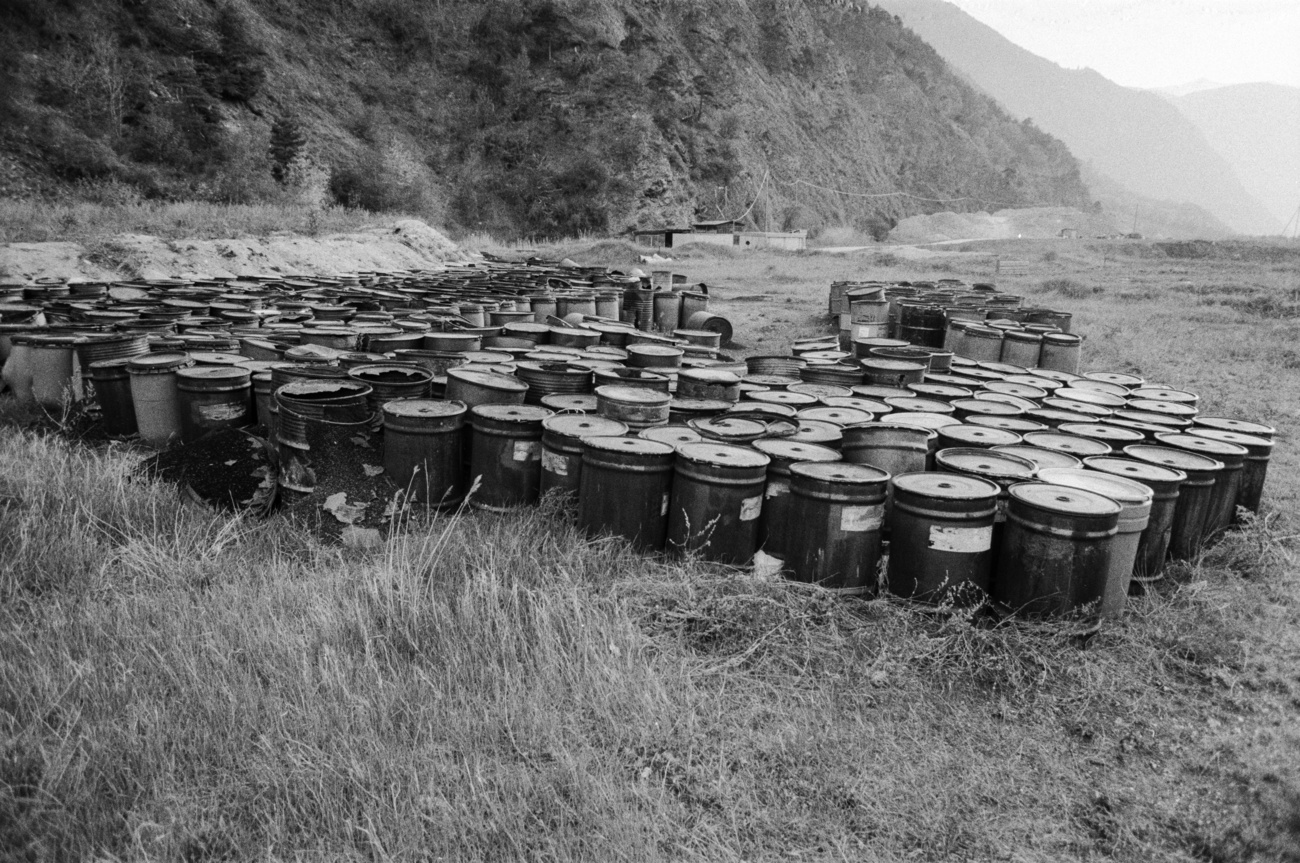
x=287 y=142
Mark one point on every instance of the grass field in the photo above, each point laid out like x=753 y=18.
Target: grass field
x=179 y=685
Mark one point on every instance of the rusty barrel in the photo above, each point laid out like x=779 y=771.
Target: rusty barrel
x=314 y=409
x=941 y=537
x=717 y=500
x=1135 y=500
x=389 y=382
x=777 y=523
x=424 y=449
x=562 y=439
x=476 y=388
x=1164 y=482
x=1253 y=473
x=155 y=397
x=839 y=509
x=1195 y=494
x=1227 y=483
x=893 y=373
x=637 y=407
x=625 y=489
x=552 y=378
x=506 y=455
x=1056 y=549
x=213 y=397
x=112 y=384
x=708 y=384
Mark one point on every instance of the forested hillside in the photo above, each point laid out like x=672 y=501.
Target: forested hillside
x=530 y=116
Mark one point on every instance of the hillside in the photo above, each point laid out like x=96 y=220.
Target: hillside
x=1256 y=127
x=1134 y=137
x=542 y=117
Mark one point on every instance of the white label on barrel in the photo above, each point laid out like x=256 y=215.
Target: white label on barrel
x=554 y=463
x=222 y=413
x=963 y=540
x=776 y=488
x=527 y=450
x=855 y=519
x=663 y=510
x=750 y=507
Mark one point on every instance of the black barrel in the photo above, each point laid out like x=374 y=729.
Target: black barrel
x=777 y=521
x=506 y=455
x=625 y=489
x=717 y=500
x=1227 y=483
x=562 y=448
x=1195 y=494
x=941 y=537
x=839 y=509
x=424 y=449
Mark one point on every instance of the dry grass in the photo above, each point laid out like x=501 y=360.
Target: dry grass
x=175 y=684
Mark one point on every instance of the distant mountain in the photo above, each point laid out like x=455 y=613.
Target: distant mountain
x=1190 y=87
x=1256 y=127
x=1136 y=138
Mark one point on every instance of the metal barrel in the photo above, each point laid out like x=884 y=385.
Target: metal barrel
x=979 y=343
x=1113 y=436
x=476 y=388
x=451 y=342
x=1002 y=468
x=671 y=434
x=893 y=373
x=1040 y=457
x=436 y=362
x=424 y=449
x=155 y=397
x=777 y=525
x=1136 y=500
x=1056 y=549
x=390 y=382
x=546 y=378
x=839 y=509
x=263 y=390
x=1164 y=482
x=625 y=489
x=1079 y=447
x=301 y=403
x=893 y=448
x=643 y=356
x=570 y=404
x=94 y=347
x=56 y=381
x=667 y=310
x=818 y=432
x=506 y=455
x=682 y=410
x=975 y=436
x=708 y=384
x=213 y=397
x=643 y=378
x=1060 y=352
x=1236 y=425
x=112 y=384
x=562 y=438
x=717 y=501
x=833 y=373
x=941 y=537
x=1255 y=470
x=1195 y=494
x=1227 y=483
x=637 y=407
x=1021 y=348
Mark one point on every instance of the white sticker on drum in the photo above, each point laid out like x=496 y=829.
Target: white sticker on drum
x=527 y=450
x=776 y=488
x=663 y=510
x=553 y=462
x=751 y=507
x=222 y=412
x=855 y=519
x=963 y=540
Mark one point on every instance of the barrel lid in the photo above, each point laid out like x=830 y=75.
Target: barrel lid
x=783 y=411
x=795 y=450
x=1088 y=409
x=871 y=406
x=1021 y=404
x=117 y=363
x=623 y=443
x=988 y=407
x=1034 y=380
x=1099 y=387
x=1236 y=425
x=875 y=391
x=1064 y=499
x=728 y=428
x=577 y=425
x=1212 y=448
x=567 y=402
x=1073 y=444
x=880 y=364
x=158 y=362
x=771 y=381
x=939 y=391
x=784 y=397
x=1123 y=380
x=839 y=416
x=983 y=332
x=1012 y=388
x=1169 y=421
x=671 y=434
x=923 y=420
x=839 y=472
x=821 y=391
x=951 y=380
x=512 y=413
x=949 y=486
x=44 y=340
x=1173 y=409
x=1101 y=431
x=1256 y=444
x=1003 y=368
x=424 y=408
x=1011 y=424
x=915 y=404
x=390 y=373
x=215 y=373
x=1165 y=394
x=985 y=462
x=1170 y=457
x=654 y=350
x=1092 y=397
x=1053 y=374
x=1133 y=469
x=633 y=395
x=973 y=435
x=816 y=431
x=1040 y=457
x=1063 y=339
x=1023 y=336
x=722 y=454
x=1125 y=491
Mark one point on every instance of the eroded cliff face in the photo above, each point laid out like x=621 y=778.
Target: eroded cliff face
x=542 y=116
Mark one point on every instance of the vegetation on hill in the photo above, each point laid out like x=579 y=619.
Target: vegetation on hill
x=544 y=116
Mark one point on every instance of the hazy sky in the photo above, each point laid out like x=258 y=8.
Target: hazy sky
x=1156 y=43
